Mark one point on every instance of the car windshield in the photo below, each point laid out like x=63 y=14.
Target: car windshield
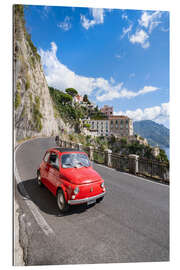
x=74 y=160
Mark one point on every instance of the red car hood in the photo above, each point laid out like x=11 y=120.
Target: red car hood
x=81 y=175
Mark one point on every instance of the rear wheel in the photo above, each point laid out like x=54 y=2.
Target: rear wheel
x=61 y=202
x=39 y=179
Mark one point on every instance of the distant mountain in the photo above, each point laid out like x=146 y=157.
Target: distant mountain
x=156 y=134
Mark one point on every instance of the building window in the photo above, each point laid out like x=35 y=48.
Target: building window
x=127 y=123
x=121 y=123
x=116 y=124
x=111 y=123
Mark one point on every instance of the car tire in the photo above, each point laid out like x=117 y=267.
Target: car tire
x=61 y=202
x=99 y=199
x=39 y=179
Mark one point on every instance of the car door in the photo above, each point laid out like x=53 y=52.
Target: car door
x=53 y=173
x=45 y=168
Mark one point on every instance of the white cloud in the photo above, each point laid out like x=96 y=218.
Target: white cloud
x=66 y=25
x=140 y=37
x=45 y=11
x=112 y=80
x=150 y=20
x=159 y=114
x=126 y=31
x=146 y=24
x=124 y=16
x=61 y=77
x=98 y=18
x=119 y=92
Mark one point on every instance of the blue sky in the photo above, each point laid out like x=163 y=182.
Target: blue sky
x=117 y=57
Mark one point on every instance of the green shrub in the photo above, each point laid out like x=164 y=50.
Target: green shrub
x=27 y=85
x=71 y=91
x=86 y=125
x=17 y=99
x=18 y=86
x=37 y=114
x=23 y=112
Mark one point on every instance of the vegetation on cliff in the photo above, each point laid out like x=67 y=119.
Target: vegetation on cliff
x=119 y=146
x=71 y=111
x=63 y=106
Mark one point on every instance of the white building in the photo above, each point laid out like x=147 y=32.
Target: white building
x=98 y=127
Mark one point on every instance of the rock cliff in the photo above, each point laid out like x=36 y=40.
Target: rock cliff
x=33 y=107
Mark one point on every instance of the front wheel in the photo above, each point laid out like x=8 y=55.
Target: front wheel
x=39 y=179
x=99 y=199
x=61 y=202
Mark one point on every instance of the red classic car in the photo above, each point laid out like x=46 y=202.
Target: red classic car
x=68 y=174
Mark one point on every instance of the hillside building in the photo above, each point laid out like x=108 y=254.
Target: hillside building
x=78 y=99
x=120 y=125
x=98 y=127
x=107 y=110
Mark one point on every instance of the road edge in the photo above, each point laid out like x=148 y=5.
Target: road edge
x=18 y=250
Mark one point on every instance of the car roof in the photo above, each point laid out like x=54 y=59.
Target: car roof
x=63 y=150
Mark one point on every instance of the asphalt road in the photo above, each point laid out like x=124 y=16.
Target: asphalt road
x=131 y=224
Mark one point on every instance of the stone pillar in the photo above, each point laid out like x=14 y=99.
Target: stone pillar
x=108 y=154
x=67 y=144
x=133 y=163
x=70 y=144
x=80 y=146
x=73 y=145
x=57 y=140
x=60 y=142
x=64 y=144
x=90 y=153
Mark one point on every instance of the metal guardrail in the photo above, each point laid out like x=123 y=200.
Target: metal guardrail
x=120 y=162
x=99 y=156
x=153 y=169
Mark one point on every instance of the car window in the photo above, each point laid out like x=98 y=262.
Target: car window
x=74 y=160
x=46 y=157
x=54 y=160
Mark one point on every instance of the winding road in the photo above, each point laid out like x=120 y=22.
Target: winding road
x=131 y=224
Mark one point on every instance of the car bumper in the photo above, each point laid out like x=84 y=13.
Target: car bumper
x=85 y=200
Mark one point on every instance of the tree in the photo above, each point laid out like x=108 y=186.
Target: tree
x=96 y=109
x=85 y=98
x=71 y=91
x=123 y=142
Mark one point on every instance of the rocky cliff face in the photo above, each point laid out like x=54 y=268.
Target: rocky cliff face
x=33 y=107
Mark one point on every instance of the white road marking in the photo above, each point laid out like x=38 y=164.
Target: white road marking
x=33 y=208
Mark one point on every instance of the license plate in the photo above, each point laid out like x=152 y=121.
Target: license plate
x=91 y=202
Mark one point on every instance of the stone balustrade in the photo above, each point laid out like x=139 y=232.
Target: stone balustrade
x=131 y=163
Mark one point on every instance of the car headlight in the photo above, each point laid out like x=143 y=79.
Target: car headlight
x=102 y=185
x=76 y=190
